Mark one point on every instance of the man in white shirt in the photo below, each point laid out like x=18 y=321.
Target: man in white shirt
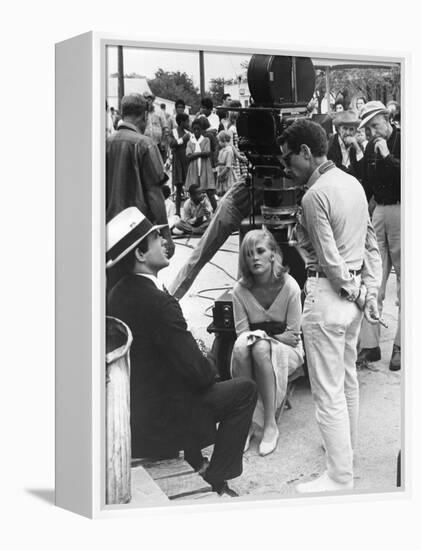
x=343 y=265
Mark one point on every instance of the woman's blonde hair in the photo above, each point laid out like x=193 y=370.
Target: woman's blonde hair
x=250 y=241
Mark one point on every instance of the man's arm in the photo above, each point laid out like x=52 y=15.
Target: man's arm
x=152 y=177
x=371 y=274
x=180 y=350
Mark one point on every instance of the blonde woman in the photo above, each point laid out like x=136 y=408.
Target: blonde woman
x=267 y=315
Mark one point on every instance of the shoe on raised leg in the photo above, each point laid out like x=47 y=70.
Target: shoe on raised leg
x=395 y=362
x=323 y=484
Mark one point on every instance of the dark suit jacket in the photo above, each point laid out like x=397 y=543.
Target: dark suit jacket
x=168 y=371
x=335 y=154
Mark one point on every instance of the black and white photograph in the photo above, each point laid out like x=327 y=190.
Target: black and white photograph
x=253 y=276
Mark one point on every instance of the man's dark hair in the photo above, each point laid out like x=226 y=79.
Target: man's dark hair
x=181 y=117
x=194 y=187
x=207 y=103
x=166 y=191
x=133 y=105
x=163 y=106
x=224 y=96
x=180 y=102
x=305 y=132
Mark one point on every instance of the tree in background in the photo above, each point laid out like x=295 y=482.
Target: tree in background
x=175 y=85
x=372 y=83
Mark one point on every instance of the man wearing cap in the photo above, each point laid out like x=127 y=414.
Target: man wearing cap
x=382 y=182
x=134 y=168
x=344 y=148
x=338 y=243
x=175 y=402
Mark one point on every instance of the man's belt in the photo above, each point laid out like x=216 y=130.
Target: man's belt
x=312 y=273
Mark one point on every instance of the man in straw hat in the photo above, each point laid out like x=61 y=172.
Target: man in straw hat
x=382 y=182
x=134 y=169
x=344 y=148
x=343 y=275
x=175 y=401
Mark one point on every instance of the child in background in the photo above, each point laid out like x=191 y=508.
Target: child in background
x=172 y=216
x=198 y=153
x=225 y=164
x=197 y=212
x=179 y=138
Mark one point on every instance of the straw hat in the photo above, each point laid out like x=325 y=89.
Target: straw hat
x=370 y=110
x=125 y=231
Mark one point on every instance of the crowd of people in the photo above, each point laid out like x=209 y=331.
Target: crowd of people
x=348 y=233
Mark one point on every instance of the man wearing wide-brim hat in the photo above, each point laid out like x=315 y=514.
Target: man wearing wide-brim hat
x=175 y=402
x=344 y=148
x=382 y=182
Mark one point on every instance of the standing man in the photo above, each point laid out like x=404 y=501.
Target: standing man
x=175 y=402
x=156 y=125
x=343 y=276
x=134 y=169
x=382 y=182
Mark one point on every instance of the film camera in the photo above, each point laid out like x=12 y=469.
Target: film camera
x=281 y=87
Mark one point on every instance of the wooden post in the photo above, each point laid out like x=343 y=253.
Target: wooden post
x=118 y=454
x=120 y=70
x=202 y=73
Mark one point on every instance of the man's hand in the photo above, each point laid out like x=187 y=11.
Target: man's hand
x=380 y=146
x=371 y=311
x=351 y=141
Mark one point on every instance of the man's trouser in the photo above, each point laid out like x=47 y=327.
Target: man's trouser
x=387 y=225
x=234 y=206
x=330 y=327
x=232 y=404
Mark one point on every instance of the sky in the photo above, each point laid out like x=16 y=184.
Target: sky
x=147 y=61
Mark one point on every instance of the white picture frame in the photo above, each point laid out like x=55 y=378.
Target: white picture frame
x=80 y=285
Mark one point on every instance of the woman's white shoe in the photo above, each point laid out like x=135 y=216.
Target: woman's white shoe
x=267 y=447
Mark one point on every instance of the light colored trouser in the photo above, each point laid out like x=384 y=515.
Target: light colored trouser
x=387 y=225
x=331 y=326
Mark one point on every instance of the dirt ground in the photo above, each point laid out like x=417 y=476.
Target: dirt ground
x=299 y=455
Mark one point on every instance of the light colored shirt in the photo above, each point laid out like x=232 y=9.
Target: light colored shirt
x=192 y=210
x=335 y=233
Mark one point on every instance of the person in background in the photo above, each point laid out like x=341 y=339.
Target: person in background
x=395 y=113
x=178 y=139
x=179 y=108
x=359 y=104
x=134 y=168
x=240 y=161
x=156 y=125
x=361 y=137
x=210 y=131
x=339 y=106
x=175 y=402
x=267 y=316
x=382 y=183
x=200 y=153
x=172 y=216
x=226 y=175
x=197 y=213
x=344 y=148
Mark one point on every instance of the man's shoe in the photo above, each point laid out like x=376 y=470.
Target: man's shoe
x=369 y=355
x=323 y=484
x=395 y=362
x=225 y=489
